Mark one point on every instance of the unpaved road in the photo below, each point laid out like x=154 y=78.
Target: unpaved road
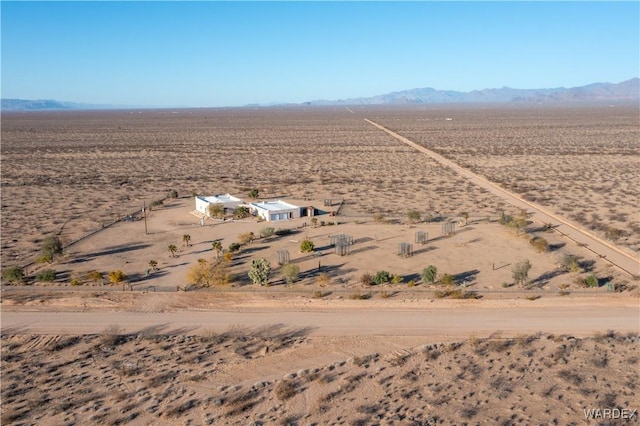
x=579 y=320
x=626 y=261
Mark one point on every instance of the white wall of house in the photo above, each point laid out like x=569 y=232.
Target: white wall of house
x=273 y=211
x=226 y=201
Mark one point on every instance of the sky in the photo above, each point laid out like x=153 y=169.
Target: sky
x=212 y=54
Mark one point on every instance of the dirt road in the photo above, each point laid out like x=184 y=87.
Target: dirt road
x=579 y=320
x=628 y=262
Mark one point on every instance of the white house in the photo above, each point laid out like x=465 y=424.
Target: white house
x=226 y=201
x=272 y=211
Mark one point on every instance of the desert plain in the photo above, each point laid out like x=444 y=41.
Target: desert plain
x=329 y=348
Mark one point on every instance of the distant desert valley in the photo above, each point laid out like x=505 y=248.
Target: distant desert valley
x=446 y=264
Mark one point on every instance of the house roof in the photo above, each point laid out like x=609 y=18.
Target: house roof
x=274 y=205
x=221 y=198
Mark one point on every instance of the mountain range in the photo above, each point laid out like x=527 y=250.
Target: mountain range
x=628 y=90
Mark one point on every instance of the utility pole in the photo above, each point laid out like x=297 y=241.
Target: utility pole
x=144 y=214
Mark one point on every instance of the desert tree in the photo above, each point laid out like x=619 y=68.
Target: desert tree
x=520 y=272
x=217 y=246
x=429 y=274
x=172 y=249
x=199 y=274
x=290 y=272
x=153 y=264
x=186 y=239
x=50 y=249
x=465 y=216
x=259 y=271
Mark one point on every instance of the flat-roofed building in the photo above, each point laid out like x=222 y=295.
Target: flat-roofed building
x=273 y=211
x=226 y=201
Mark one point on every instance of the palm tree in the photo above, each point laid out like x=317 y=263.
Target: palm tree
x=173 y=249
x=186 y=238
x=217 y=246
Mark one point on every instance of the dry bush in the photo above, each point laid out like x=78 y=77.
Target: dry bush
x=285 y=389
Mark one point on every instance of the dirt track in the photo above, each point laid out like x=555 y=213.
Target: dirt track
x=579 y=320
x=623 y=260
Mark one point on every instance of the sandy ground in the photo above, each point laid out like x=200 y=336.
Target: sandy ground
x=309 y=353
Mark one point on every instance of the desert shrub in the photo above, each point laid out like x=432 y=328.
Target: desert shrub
x=282 y=231
x=116 y=276
x=533 y=297
x=198 y=274
x=267 y=232
x=540 y=244
x=323 y=280
x=570 y=263
x=228 y=257
x=413 y=216
x=378 y=217
x=306 y=246
x=259 y=271
x=13 y=274
x=156 y=203
x=254 y=193
x=591 y=281
x=96 y=277
x=46 y=275
x=285 y=390
x=290 y=272
x=520 y=272
x=396 y=279
x=385 y=294
x=173 y=194
x=381 y=277
x=429 y=274
x=246 y=237
x=234 y=247
x=366 y=279
x=75 y=282
x=447 y=279
x=50 y=249
x=241 y=212
x=318 y=294
x=216 y=211
x=411 y=283
x=359 y=296
x=456 y=294
x=614 y=234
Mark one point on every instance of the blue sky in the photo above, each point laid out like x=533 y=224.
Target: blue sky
x=234 y=53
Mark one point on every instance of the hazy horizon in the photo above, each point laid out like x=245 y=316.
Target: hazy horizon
x=219 y=54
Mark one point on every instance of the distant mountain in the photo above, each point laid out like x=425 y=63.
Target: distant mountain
x=48 y=105
x=627 y=90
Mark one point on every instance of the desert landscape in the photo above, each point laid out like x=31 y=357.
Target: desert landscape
x=332 y=343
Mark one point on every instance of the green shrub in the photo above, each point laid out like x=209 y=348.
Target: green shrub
x=96 y=277
x=234 y=247
x=13 y=274
x=50 y=249
x=447 y=279
x=381 y=277
x=429 y=274
x=241 y=213
x=414 y=216
x=259 y=272
x=46 y=275
x=290 y=272
x=306 y=246
x=591 y=281
x=282 y=231
x=267 y=232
